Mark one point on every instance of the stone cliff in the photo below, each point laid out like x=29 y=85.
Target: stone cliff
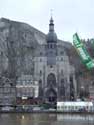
x=17 y=44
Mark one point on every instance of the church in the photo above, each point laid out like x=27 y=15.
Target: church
x=53 y=71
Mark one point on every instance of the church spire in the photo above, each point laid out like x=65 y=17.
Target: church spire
x=51 y=21
x=51 y=25
x=51 y=36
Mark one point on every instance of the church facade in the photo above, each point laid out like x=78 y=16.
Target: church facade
x=52 y=70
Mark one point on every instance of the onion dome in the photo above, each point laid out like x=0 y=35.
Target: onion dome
x=51 y=36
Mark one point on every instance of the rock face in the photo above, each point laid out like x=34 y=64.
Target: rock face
x=17 y=44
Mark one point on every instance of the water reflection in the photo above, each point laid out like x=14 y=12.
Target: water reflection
x=61 y=117
x=45 y=119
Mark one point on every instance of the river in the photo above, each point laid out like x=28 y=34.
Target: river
x=45 y=119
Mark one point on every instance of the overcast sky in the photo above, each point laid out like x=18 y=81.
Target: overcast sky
x=69 y=16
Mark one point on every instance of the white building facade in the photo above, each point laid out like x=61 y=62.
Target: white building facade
x=26 y=90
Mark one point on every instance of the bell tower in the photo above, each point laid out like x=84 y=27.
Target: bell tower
x=51 y=44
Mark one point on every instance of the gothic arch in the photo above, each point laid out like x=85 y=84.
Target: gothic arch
x=51 y=93
x=51 y=80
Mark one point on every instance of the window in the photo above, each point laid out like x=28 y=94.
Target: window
x=61 y=52
x=51 y=66
x=40 y=53
x=40 y=83
x=62 y=107
x=61 y=58
x=75 y=107
x=58 y=107
x=51 y=46
x=40 y=73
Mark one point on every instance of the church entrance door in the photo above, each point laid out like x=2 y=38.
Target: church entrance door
x=51 y=93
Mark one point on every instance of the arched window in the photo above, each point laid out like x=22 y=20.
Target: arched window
x=51 y=46
x=40 y=88
x=51 y=80
x=40 y=73
x=40 y=82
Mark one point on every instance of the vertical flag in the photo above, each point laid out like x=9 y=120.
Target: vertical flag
x=82 y=52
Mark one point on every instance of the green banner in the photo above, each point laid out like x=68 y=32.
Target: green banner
x=90 y=64
x=83 y=54
x=85 y=57
x=80 y=48
x=76 y=40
